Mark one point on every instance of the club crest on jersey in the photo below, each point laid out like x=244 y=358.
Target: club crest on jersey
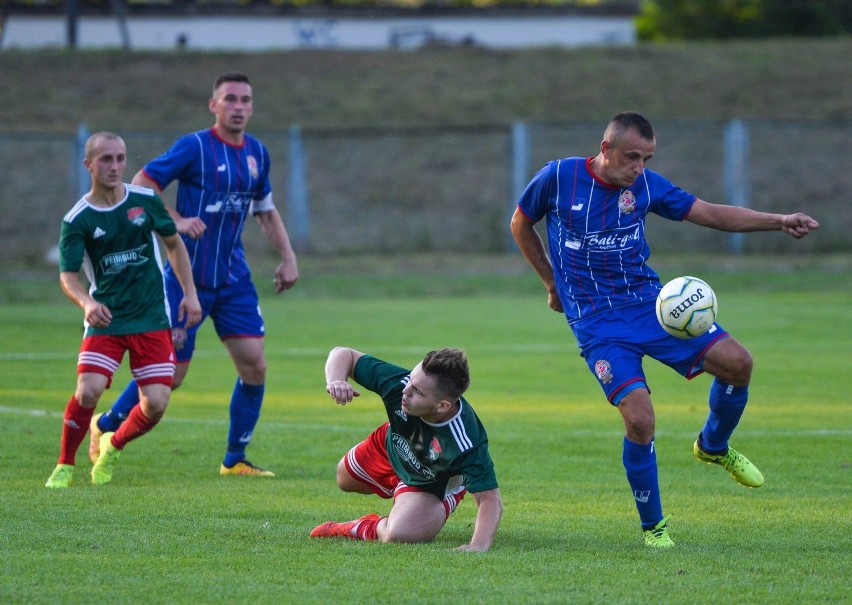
x=136 y=215
x=252 y=166
x=603 y=371
x=626 y=202
x=434 y=449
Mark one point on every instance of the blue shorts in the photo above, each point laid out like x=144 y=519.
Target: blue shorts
x=235 y=310
x=614 y=343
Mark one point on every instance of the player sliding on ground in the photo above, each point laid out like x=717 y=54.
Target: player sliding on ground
x=427 y=457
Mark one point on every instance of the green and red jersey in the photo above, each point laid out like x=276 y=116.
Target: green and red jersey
x=424 y=455
x=117 y=249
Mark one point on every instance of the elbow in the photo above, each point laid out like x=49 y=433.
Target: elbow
x=519 y=224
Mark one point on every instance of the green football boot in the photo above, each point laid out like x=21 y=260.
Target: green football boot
x=735 y=463
x=658 y=536
x=104 y=467
x=61 y=476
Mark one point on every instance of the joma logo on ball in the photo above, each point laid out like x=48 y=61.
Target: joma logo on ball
x=687 y=303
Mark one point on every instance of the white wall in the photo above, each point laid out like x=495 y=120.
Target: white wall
x=288 y=33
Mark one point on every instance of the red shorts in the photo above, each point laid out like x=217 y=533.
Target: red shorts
x=152 y=356
x=368 y=462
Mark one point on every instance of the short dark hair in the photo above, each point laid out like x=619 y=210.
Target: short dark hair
x=229 y=76
x=449 y=369
x=627 y=120
x=93 y=142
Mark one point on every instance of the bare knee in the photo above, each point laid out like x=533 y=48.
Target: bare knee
x=415 y=517
x=741 y=367
x=730 y=362
x=347 y=482
x=343 y=476
x=154 y=400
x=248 y=357
x=254 y=373
x=90 y=387
x=180 y=373
x=638 y=415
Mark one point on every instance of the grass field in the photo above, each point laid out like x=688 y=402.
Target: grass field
x=168 y=529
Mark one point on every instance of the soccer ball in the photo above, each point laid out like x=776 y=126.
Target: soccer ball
x=686 y=307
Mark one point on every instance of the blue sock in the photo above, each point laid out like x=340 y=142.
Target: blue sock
x=640 y=462
x=727 y=404
x=245 y=410
x=113 y=417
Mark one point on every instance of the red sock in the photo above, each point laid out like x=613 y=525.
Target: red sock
x=136 y=425
x=367 y=530
x=74 y=428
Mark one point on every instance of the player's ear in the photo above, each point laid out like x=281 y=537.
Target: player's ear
x=445 y=405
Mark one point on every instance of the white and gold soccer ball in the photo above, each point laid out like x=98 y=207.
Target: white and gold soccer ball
x=686 y=307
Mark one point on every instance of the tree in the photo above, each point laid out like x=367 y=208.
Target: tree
x=719 y=19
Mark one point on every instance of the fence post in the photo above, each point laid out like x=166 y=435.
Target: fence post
x=84 y=181
x=298 y=215
x=79 y=181
x=736 y=174
x=519 y=155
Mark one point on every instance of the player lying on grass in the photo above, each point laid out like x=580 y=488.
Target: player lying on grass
x=110 y=232
x=427 y=457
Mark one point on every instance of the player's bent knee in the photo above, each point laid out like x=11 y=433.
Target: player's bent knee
x=408 y=534
x=180 y=373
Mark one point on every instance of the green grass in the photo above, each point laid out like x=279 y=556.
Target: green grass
x=168 y=529
x=778 y=78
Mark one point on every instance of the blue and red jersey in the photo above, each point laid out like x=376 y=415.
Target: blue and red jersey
x=596 y=233
x=221 y=184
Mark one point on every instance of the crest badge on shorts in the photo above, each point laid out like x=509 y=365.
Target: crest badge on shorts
x=603 y=371
x=178 y=338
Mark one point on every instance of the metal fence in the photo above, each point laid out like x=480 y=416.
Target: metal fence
x=397 y=191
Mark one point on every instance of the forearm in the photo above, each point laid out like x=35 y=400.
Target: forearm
x=488 y=517
x=532 y=247
x=74 y=289
x=179 y=260
x=741 y=220
x=339 y=364
x=276 y=233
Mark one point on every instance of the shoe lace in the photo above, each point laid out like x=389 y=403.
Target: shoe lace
x=661 y=530
x=733 y=461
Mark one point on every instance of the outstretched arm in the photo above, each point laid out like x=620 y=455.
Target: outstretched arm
x=287 y=272
x=338 y=369
x=737 y=219
x=531 y=246
x=490 y=510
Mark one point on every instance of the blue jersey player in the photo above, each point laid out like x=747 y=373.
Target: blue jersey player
x=596 y=272
x=223 y=177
